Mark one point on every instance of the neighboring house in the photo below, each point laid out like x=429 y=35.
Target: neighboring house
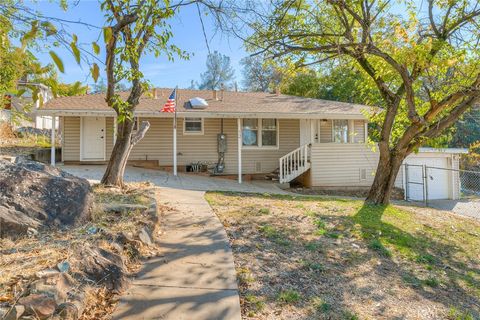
x=22 y=111
x=321 y=143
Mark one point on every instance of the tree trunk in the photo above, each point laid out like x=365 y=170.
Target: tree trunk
x=384 y=182
x=121 y=151
x=118 y=159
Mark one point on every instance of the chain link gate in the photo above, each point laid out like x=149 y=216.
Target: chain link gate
x=427 y=183
x=414 y=181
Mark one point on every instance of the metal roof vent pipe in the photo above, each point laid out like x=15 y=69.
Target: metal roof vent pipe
x=155 y=93
x=222 y=90
x=214 y=93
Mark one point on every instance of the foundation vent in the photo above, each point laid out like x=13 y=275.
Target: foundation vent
x=363 y=174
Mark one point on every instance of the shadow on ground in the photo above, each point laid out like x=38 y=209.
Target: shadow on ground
x=344 y=261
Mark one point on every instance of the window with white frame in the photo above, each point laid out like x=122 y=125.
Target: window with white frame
x=193 y=126
x=340 y=131
x=260 y=133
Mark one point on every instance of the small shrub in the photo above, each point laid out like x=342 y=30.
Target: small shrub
x=289 y=296
x=376 y=245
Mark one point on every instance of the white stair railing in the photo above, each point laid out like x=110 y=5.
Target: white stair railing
x=295 y=163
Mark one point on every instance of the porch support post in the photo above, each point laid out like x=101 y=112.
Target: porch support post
x=351 y=131
x=239 y=143
x=366 y=131
x=52 y=141
x=114 y=130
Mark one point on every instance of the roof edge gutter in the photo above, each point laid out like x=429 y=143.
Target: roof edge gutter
x=204 y=114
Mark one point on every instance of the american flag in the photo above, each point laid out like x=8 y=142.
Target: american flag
x=171 y=102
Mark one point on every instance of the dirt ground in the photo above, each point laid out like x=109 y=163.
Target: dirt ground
x=320 y=258
x=23 y=259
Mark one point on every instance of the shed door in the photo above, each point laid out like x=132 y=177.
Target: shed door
x=93 y=138
x=438 y=180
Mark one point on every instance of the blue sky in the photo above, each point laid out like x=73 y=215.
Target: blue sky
x=188 y=36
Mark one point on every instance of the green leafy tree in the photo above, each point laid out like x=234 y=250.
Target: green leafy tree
x=258 y=75
x=467 y=130
x=219 y=71
x=134 y=29
x=423 y=63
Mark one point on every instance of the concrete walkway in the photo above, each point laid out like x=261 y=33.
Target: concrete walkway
x=183 y=181
x=194 y=278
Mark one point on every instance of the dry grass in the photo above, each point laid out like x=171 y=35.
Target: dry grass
x=22 y=259
x=320 y=258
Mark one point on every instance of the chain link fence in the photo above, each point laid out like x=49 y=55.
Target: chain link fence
x=426 y=183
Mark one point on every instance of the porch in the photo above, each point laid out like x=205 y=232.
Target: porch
x=227 y=146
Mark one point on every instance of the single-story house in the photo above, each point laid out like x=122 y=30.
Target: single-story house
x=321 y=142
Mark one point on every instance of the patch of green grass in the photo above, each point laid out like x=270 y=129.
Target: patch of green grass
x=300 y=206
x=289 y=297
x=313 y=246
x=244 y=276
x=333 y=235
x=431 y=282
x=412 y=280
x=264 y=211
x=320 y=305
x=377 y=246
x=310 y=213
x=426 y=259
x=312 y=265
x=275 y=235
x=455 y=314
x=320 y=224
x=348 y=315
x=254 y=304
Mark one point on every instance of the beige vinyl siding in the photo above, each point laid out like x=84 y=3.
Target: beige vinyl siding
x=359 y=131
x=326 y=131
x=71 y=139
x=109 y=132
x=341 y=164
x=289 y=140
x=158 y=144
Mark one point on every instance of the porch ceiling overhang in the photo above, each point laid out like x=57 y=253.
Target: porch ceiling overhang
x=205 y=114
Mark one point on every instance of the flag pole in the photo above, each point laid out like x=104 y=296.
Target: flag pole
x=175 y=135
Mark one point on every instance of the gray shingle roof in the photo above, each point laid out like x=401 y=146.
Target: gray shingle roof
x=232 y=103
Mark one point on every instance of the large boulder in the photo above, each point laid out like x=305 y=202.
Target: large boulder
x=35 y=195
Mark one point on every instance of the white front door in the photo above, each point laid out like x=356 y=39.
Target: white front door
x=93 y=138
x=305 y=132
